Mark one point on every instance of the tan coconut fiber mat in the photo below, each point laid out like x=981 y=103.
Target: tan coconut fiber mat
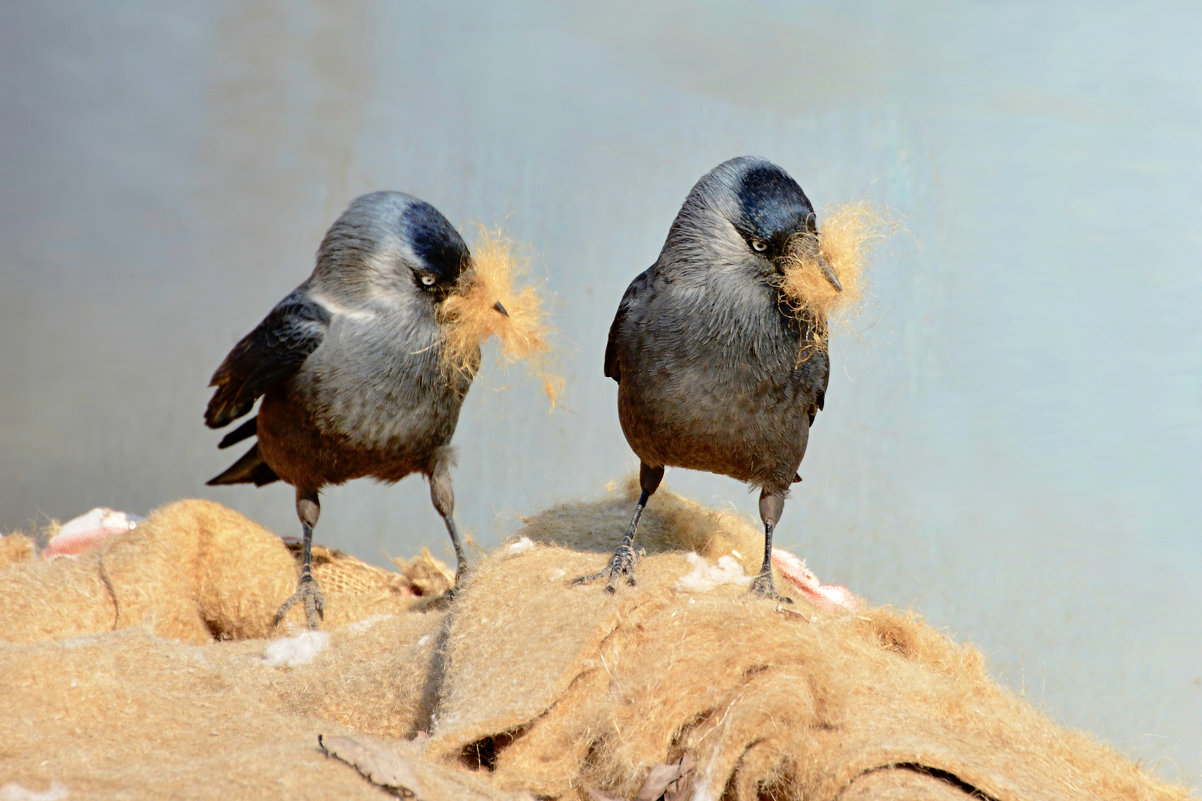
x=146 y=668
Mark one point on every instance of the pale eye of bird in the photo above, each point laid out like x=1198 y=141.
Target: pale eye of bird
x=428 y=279
x=759 y=245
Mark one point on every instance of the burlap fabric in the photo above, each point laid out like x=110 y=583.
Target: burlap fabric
x=144 y=670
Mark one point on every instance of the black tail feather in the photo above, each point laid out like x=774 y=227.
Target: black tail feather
x=225 y=406
x=250 y=469
x=247 y=429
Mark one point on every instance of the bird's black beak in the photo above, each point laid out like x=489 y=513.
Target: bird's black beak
x=500 y=308
x=806 y=248
x=829 y=274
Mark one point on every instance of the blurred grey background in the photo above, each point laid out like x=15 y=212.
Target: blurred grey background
x=1012 y=438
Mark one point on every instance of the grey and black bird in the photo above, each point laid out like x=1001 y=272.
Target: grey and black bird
x=347 y=367
x=716 y=370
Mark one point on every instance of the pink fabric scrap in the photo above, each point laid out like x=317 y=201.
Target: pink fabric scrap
x=824 y=596
x=86 y=531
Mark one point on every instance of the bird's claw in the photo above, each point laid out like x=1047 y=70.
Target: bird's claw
x=764 y=587
x=314 y=600
x=621 y=564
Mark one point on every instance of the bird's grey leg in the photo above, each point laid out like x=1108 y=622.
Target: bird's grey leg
x=622 y=562
x=443 y=497
x=308 y=509
x=772 y=504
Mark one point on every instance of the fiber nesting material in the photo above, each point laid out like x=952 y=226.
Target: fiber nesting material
x=469 y=315
x=195 y=571
x=569 y=692
x=16 y=548
x=523 y=682
x=844 y=241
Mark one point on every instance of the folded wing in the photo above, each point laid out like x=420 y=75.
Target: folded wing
x=264 y=358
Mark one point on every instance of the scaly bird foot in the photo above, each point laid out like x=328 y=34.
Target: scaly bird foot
x=765 y=588
x=315 y=601
x=620 y=564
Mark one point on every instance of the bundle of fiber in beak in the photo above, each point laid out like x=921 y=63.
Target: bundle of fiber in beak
x=491 y=301
x=841 y=251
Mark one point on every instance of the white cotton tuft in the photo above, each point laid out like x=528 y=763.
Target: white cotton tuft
x=705 y=577
x=295 y=651
x=519 y=546
x=15 y=792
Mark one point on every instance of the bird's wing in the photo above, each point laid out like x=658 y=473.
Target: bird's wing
x=824 y=380
x=266 y=356
x=638 y=288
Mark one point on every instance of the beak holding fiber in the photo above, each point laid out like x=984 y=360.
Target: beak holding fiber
x=829 y=274
x=822 y=272
x=494 y=299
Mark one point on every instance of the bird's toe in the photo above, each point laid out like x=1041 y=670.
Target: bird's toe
x=315 y=605
x=314 y=600
x=621 y=565
x=764 y=587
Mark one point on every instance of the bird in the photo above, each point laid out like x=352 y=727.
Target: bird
x=716 y=369
x=347 y=367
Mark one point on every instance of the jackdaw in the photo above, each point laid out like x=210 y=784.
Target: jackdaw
x=716 y=370
x=348 y=369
